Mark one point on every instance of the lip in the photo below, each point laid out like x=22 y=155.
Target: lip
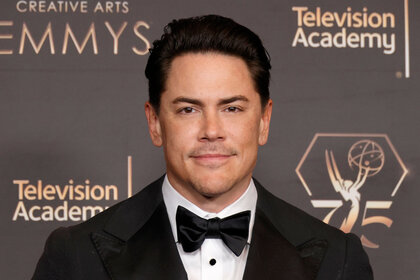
x=211 y=156
x=212 y=160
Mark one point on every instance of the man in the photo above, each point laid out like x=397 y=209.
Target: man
x=209 y=109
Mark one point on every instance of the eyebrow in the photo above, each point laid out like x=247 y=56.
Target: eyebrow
x=223 y=101
x=182 y=99
x=233 y=99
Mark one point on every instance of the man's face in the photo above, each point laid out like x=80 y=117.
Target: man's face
x=210 y=124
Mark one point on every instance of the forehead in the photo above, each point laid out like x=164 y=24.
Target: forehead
x=208 y=75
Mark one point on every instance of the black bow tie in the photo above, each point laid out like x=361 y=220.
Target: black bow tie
x=192 y=230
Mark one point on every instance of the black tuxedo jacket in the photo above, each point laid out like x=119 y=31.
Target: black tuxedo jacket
x=133 y=240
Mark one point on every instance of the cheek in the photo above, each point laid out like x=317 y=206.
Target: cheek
x=245 y=135
x=178 y=137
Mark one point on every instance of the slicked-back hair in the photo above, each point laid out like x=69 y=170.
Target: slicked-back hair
x=203 y=34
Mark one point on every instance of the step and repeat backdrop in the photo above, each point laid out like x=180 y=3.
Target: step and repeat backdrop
x=345 y=134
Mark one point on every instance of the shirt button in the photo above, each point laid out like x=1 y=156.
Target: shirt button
x=212 y=262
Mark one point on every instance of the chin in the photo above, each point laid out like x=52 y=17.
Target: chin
x=212 y=192
x=212 y=187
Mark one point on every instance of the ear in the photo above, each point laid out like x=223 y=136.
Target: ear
x=154 y=124
x=265 y=123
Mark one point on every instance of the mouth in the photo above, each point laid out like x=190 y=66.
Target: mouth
x=211 y=160
x=211 y=156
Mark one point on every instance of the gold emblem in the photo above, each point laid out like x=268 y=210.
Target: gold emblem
x=354 y=182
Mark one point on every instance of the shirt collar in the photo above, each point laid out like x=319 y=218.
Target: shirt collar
x=172 y=198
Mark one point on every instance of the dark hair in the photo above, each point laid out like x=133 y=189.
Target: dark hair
x=210 y=33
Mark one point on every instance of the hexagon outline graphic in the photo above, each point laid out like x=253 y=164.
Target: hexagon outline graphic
x=318 y=135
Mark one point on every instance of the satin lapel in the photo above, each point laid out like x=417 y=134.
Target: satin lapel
x=150 y=253
x=271 y=256
x=137 y=242
x=282 y=245
x=312 y=254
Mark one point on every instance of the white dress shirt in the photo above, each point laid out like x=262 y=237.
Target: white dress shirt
x=214 y=260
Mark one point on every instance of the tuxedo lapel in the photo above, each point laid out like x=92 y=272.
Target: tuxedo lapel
x=312 y=254
x=279 y=248
x=137 y=242
x=271 y=256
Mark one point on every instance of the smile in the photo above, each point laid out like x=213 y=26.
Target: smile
x=212 y=160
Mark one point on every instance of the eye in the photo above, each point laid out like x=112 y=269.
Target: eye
x=233 y=109
x=187 y=110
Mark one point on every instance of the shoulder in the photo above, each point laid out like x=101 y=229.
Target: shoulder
x=344 y=256
x=68 y=250
x=292 y=222
x=122 y=214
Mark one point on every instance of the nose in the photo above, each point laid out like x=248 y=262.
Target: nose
x=211 y=127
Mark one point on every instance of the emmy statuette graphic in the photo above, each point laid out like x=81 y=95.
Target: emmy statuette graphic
x=368 y=157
